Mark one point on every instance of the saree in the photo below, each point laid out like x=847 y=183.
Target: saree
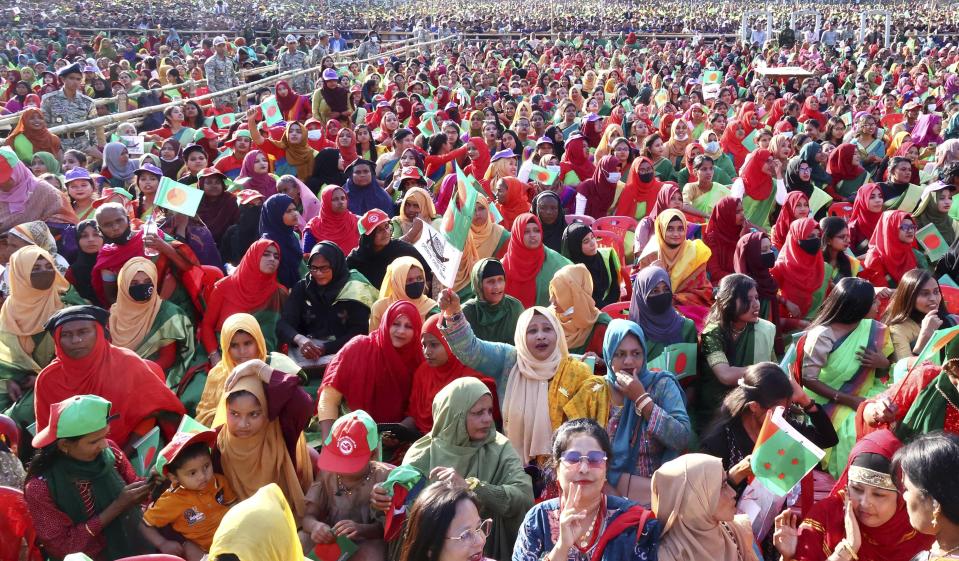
x=842 y=371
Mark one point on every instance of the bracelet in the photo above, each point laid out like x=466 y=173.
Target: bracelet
x=89 y=531
x=844 y=545
x=642 y=403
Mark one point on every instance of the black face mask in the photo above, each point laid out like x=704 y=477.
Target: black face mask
x=810 y=246
x=120 y=240
x=647 y=177
x=42 y=280
x=659 y=303
x=769 y=258
x=415 y=289
x=141 y=292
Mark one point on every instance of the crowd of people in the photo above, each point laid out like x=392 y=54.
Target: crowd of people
x=223 y=336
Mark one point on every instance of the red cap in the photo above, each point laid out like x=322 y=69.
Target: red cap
x=372 y=219
x=8 y=161
x=247 y=196
x=180 y=442
x=350 y=445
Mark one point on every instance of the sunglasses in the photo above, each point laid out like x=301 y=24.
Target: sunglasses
x=595 y=458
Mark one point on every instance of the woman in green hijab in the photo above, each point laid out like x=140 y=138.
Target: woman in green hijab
x=934 y=209
x=44 y=162
x=492 y=313
x=463 y=447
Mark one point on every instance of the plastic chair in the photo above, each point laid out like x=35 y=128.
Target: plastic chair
x=618 y=224
x=616 y=242
x=16 y=527
x=581 y=218
x=618 y=310
x=840 y=209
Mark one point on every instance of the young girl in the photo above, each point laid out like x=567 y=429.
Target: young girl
x=81 y=190
x=148 y=182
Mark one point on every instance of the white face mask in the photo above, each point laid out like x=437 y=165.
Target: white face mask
x=712 y=146
x=314 y=135
x=682 y=137
x=614 y=176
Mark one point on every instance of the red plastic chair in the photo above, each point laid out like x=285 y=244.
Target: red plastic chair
x=618 y=224
x=840 y=209
x=16 y=527
x=581 y=218
x=615 y=241
x=618 y=310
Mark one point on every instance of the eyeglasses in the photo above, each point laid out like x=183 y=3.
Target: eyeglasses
x=908 y=227
x=476 y=534
x=321 y=269
x=595 y=458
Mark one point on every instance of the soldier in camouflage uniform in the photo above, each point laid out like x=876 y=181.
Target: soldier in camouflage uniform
x=318 y=53
x=66 y=106
x=221 y=75
x=294 y=59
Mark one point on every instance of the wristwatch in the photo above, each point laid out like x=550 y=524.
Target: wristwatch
x=472 y=483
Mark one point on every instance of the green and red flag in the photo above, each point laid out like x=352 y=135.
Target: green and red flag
x=271 y=111
x=178 y=197
x=542 y=175
x=939 y=340
x=189 y=424
x=678 y=358
x=712 y=77
x=403 y=486
x=429 y=127
x=750 y=141
x=782 y=455
x=147 y=448
x=932 y=242
x=225 y=120
x=340 y=550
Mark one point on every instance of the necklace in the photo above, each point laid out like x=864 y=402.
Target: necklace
x=945 y=553
x=951 y=404
x=736 y=332
x=348 y=491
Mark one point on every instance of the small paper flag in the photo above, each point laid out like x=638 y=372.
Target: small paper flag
x=712 y=77
x=932 y=242
x=497 y=215
x=818 y=200
x=225 y=120
x=846 y=118
x=340 y=550
x=946 y=280
x=147 y=448
x=936 y=343
x=429 y=127
x=178 y=197
x=678 y=358
x=662 y=96
x=189 y=424
x=782 y=456
x=542 y=175
x=750 y=141
x=271 y=111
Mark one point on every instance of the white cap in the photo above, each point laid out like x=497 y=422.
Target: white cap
x=291 y=39
x=219 y=40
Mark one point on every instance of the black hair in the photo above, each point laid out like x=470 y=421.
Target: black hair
x=78 y=156
x=429 y=520
x=831 y=226
x=583 y=426
x=931 y=461
x=46 y=456
x=813 y=123
x=849 y=302
x=701 y=159
x=195 y=450
x=764 y=383
x=226 y=557
x=731 y=300
x=436 y=142
x=949 y=173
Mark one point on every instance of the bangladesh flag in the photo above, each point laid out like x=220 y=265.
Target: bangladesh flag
x=542 y=175
x=340 y=550
x=429 y=127
x=189 y=424
x=818 y=200
x=750 y=141
x=225 y=120
x=147 y=449
x=178 y=197
x=939 y=340
x=932 y=242
x=459 y=214
x=679 y=358
x=712 y=77
x=403 y=485
x=782 y=456
x=271 y=111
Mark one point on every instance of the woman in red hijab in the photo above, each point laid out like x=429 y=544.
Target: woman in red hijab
x=800 y=273
x=726 y=225
x=36 y=136
x=375 y=372
x=294 y=107
x=882 y=533
x=890 y=253
x=866 y=210
x=810 y=110
x=796 y=207
x=732 y=143
x=529 y=264
x=642 y=187
x=846 y=170
x=600 y=189
x=575 y=159
x=251 y=289
x=511 y=199
x=439 y=369
x=334 y=223
x=760 y=186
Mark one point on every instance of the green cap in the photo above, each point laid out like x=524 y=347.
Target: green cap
x=74 y=416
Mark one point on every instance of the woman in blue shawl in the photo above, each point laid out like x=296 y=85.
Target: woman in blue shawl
x=365 y=191
x=648 y=423
x=277 y=220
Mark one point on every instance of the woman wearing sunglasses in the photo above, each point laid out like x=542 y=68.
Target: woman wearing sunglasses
x=584 y=522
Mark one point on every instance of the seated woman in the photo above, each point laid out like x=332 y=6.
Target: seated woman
x=689 y=174
x=511 y=199
x=866 y=210
x=579 y=246
x=375 y=372
x=155 y=329
x=529 y=264
x=915 y=311
x=328 y=307
x=840 y=263
x=754 y=257
x=648 y=423
x=262 y=527
x=405 y=281
x=571 y=296
x=37 y=291
x=891 y=253
x=734 y=338
x=255 y=173
x=864 y=517
x=701 y=195
x=901 y=190
x=416 y=203
x=257 y=444
x=837 y=358
x=600 y=189
x=727 y=223
x=377 y=249
x=89 y=243
x=696 y=509
x=277 y=222
x=532 y=409
x=333 y=223
x=760 y=186
x=685 y=261
x=800 y=273
x=242 y=340
x=89 y=363
x=934 y=209
x=304 y=201
x=605 y=527
x=338 y=503
x=444 y=523
x=652 y=309
x=81 y=490
x=486 y=239
x=926 y=465
x=845 y=167
x=492 y=314
x=464 y=447
x=218 y=208
x=668 y=197
x=641 y=187
x=795 y=208
x=548 y=207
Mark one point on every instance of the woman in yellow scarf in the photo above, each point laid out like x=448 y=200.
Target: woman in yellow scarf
x=261 y=528
x=404 y=280
x=486 y=239
x=584 y=325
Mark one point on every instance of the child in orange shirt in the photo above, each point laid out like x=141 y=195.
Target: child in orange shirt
x=196 y=500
